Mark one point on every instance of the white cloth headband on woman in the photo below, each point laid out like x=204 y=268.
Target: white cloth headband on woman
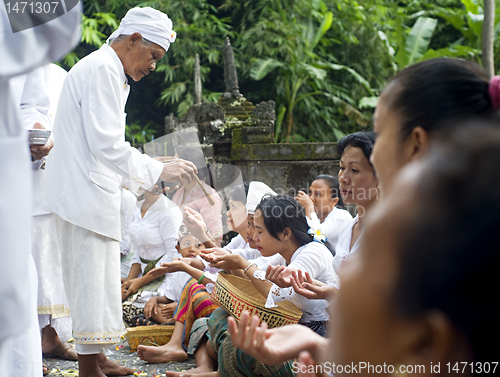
x=152 y=24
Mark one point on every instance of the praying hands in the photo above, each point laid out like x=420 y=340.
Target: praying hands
x=279 y=275
x=305 y=286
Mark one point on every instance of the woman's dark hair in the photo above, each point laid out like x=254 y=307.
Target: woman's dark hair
x=363 y=140
x=196 y=156
x=450 y=247
x=333 y=184
x=437 y=90
x=239 y=193
x=282 y=211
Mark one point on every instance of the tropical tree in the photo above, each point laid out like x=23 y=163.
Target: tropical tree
x=305 y=68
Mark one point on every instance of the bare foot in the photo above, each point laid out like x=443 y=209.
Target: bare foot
x=162 y=354
x=110 y=368
x=192 y=373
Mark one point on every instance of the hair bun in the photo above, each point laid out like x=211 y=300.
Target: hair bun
x=494 y=92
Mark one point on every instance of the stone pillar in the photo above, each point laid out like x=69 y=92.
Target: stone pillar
x=197 y=80
x=230 y=75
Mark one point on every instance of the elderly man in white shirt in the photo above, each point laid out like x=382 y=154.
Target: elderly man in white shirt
x=86 y=168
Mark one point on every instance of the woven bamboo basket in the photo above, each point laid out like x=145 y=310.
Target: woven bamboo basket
x=236 y=294
x=156 y=335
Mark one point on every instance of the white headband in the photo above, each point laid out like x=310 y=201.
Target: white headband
x=152 y=24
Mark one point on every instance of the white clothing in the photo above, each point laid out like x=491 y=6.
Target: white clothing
x=343 y=248
x=316 y=259
x=88 y=349
x=21 y=52
x=53 y=308
x=152 y=24
x=5 y=361
x=155 y=235
x=237 y=242
x=173 y=285
x=238 y=245
x=26 y=50
x=90 y=157
x=92 y=283
x=127 y=211
x=127 y=249
x=332 y=225
x=31 y=94
x=25 y=352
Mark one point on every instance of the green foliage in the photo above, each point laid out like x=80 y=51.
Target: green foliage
x=417 y=42
x=137 y=134
x=324 y=62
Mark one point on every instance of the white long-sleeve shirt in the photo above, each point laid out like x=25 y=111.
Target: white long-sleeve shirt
x=155 y=234
x=91 y=158
x=332 y=225
x=343 y=247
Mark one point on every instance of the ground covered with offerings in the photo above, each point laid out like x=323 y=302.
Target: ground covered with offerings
x=121 y=354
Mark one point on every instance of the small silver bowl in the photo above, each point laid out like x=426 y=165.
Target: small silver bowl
x=38 y=137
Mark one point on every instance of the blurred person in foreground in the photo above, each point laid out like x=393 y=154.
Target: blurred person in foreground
x=22 y=51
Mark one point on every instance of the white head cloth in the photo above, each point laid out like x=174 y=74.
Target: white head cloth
x=256 y=191
x=152 y=24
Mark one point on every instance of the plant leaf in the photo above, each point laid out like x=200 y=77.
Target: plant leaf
x=417 y=42
x=356 y=75
x=370 y=102
x=323 y=28
x=457 y=51
x=262 y=67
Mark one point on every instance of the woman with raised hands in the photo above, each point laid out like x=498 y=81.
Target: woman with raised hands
x=282 y=231
x=358 y=186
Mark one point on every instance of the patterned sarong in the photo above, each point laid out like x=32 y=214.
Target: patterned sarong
x=233 y=362
x=194 y=303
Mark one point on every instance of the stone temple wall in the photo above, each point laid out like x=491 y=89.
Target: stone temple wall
x=286 y=168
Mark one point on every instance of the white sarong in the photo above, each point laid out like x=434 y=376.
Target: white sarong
x=53 y=308
x=91 y=272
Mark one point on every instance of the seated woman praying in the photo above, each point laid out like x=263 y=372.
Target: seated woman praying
x=358 y=186
x=154 y=235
